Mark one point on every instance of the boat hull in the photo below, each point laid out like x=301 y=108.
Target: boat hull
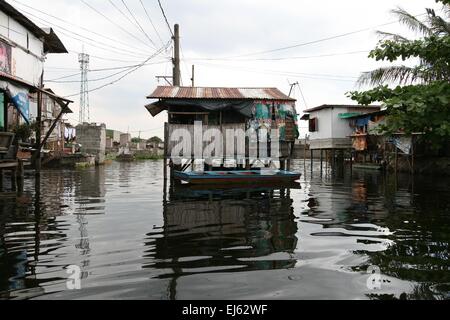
x=237 y=177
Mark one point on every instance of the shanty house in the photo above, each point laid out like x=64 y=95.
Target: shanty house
x=227 y=108
x=329 y=126
x=23 y=99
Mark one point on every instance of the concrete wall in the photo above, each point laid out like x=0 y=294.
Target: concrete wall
x=125 y=138
x=324 y=117
x=27 y=51
x=92 y=138
x=333 y=132
x=114 y=135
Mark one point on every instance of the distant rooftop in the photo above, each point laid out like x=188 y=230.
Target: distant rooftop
x=166 y=92
x=52 y=44
x=343 y=106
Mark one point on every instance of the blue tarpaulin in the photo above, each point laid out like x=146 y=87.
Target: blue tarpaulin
x=19 y=97
x=361 y=122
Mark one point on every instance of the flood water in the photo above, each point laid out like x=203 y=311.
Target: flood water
x=131 y=241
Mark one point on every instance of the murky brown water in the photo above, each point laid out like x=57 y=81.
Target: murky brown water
x=316 y=242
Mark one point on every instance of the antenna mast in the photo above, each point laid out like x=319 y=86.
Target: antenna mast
x=83 y=59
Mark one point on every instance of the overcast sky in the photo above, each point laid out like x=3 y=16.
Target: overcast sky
x=221 y=38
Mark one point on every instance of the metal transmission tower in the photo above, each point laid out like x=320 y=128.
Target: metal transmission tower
x=83 y=59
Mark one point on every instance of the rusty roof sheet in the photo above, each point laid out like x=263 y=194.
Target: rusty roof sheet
x=345 y=106
x=165 y=92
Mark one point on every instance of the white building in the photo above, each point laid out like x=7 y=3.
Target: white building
x=23 y=50
x=328 y=126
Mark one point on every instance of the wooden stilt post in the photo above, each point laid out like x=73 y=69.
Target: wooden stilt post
x=396 y=158
x=304 y=156
x=20 y=176
x=412 y=155
x=166 y=141
x=312 y=159
x=321 y=161
x=351 y=160
x=37 y=156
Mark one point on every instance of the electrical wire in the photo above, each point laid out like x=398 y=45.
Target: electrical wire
x=106 y=77
x=165 y=18
x=78 y=26
x=282 y=58
x=113 y=22
x=289 y=73
x=135 y=19
x=151 y=22
x=314 y=41
x=96 y=44
x=126 y=74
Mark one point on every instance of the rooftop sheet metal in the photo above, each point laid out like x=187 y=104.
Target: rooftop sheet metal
x=165 y=92
x=345 y=106
x=52 y=44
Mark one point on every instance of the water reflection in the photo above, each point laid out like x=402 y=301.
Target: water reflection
x=410 y=221
x=30 y=233
x=133 y=241
x=223 y=230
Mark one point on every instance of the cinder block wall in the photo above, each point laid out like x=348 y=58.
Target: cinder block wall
x=92 y=138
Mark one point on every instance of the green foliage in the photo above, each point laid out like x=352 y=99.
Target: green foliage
x=411 y=109
x=420 y=108
x=147 y=156
x=135 y=140
x=154 y=139
x=432 y=51
x=24 y=131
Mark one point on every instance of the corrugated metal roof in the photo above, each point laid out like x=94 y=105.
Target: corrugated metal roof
x=52 y=44
x=346 y=106
x=165 y=92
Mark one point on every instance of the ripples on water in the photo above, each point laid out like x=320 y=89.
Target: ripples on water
x=133 y=242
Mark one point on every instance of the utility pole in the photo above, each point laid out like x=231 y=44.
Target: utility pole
x=193 y=76
x=292 y=85
x=176 y=58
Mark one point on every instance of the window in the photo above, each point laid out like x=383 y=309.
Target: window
x=313 y=125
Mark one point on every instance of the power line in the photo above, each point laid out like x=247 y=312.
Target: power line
x=106 y=59
x=289 y=73
x=316 y=41
x=106 y=77
x=126 y=74
x=149 y=130
x=64 y=77
x=96 y=70
x=78 y=26
x=165 y=18
x=151 y=21
x=113 y=22
x=135 y=19
x=126 y=17
x=96 y=44
x=282 y=58
x=122 y=13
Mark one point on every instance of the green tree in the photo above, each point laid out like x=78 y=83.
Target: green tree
x=421 y=101
x=154 y=139
x=432 y=50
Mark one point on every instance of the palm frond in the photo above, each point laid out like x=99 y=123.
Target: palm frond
x=393 y=74
x=437 y=24
x=411 y=21
x=391 y=36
